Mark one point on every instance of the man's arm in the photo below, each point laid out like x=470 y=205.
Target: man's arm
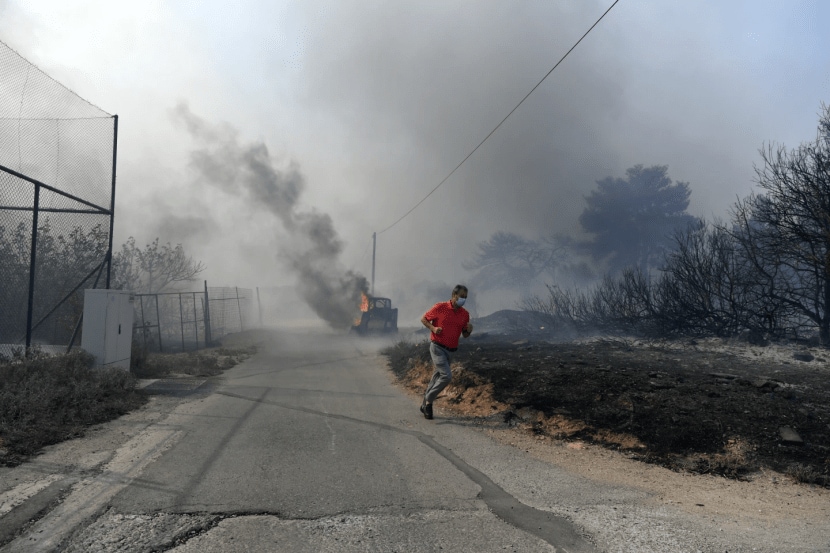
x=429 y=325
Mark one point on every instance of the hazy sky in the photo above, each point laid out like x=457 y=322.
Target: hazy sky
x=373 y=103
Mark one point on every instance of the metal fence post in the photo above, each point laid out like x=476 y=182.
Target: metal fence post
x=143 y=323
x=158 y=321
x=195 y=321
x=239 y=307
x=181 y=319
x=259 y=306
x=112 y=200
x=208 y=337
x=32 y=261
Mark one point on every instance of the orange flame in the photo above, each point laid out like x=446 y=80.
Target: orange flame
x=364 y=307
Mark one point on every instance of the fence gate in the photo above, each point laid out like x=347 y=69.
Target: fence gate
x=173 y=321
x=185 y=321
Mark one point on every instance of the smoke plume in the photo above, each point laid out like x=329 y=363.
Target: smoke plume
x=312 y=248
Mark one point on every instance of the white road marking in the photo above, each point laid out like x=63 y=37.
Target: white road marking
x=22 y=492
x=90 y=496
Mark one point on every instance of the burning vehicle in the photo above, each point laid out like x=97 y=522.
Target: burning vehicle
x=377 y=316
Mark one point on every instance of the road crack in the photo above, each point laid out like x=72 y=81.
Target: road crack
x=556 y=530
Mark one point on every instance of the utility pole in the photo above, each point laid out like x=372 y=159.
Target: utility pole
x=374 y=247
x=259 y=305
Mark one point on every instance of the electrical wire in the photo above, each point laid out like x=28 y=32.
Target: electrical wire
x=502 y=121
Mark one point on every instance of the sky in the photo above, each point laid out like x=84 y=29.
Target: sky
x=368 y=105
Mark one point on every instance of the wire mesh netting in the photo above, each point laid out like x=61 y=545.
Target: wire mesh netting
x=56 y=184
x=231 y=310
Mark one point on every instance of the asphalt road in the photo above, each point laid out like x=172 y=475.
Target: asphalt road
x=308 y=446
x=305 y=447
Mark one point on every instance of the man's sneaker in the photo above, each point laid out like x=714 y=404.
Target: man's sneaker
x=426 y=409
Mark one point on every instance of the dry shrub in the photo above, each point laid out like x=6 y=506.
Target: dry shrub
x=209 y=362
x=138 y=357
x=735 y=460
x=806 y=474
x=403 y=356
x=617 y=440
x=44 y=400
x=470 y=395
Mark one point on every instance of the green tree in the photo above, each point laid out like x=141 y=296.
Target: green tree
x=633 y=220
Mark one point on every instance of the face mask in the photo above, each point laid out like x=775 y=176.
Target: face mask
x=460 y=301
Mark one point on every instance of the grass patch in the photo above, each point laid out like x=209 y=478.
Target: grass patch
x=48 y=399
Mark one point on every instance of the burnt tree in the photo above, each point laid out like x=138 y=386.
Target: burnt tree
x=785 y=231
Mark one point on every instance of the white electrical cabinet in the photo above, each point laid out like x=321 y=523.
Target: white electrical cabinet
x=108 y=327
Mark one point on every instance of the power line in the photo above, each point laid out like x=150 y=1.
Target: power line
x=502 y=121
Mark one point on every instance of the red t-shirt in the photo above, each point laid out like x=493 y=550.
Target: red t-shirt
x=452 y=322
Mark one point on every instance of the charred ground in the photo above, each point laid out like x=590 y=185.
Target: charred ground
x=687 y=405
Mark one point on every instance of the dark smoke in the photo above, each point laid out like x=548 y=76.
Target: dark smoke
x=313 y=247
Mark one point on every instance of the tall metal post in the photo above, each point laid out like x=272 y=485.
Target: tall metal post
x=259 y=306
x=158 y=321
x=208 y=337
x=239 y=307
x=143 y=322
x=181 y=319
x=195 y=321
x=112 y=198
x=374 y=247
x=32 y=261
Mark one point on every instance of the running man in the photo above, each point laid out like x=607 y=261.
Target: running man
x=446 y=321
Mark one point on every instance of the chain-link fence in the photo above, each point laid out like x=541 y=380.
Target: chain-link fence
x=230 y=310
x=178 y=321
x=57 y=186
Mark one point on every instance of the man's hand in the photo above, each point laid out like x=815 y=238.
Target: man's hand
x=437 y=329
x=468 y=329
